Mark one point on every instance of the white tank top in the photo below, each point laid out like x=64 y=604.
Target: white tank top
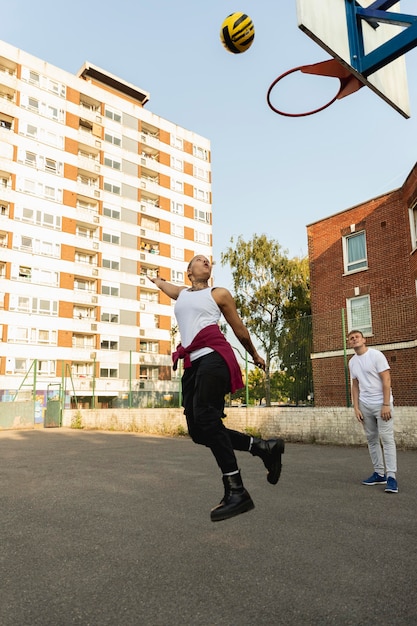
x=194 y=311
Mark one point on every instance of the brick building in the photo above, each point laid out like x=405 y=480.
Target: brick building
x=363 y=271
x=97 y=193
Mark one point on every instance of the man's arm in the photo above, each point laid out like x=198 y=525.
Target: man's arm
x=355 y=399
x=227 y=305
x=172 y=291
x=386 y=389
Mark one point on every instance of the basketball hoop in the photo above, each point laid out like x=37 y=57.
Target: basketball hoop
x=331 y=68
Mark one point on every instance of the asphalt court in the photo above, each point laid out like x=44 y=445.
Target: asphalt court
x=113 y=529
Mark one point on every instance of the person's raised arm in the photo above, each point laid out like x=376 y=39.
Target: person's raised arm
x=172 y=291
x=227 y=305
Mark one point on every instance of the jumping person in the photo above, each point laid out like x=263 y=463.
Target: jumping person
x=210 y=372
x=373 y=406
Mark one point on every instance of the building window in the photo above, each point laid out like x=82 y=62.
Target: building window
x=177 y=164
x=113 y=163
x=202 y=216
x=110 y=316
x=177 y=207
x=111 y=264
x=113 y=213
x=413 y=226
x=176 y=142
x=112 y=187
x=114 y=139
x=177 y=277
x=111 y=237
x=177 y=185
x=359 y=314
x=201 y=153
x=108 y=372
x=109 y=344
x=177 y=230
x=110 y=289
x=112 y=114
x=354 y=252
x=200 y=237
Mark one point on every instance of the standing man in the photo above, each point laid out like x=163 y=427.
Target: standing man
x=210 y=372
x=373 y=405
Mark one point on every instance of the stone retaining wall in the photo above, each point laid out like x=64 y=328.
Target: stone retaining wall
x=328 y=425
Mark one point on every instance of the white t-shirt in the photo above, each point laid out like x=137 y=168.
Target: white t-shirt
x=194 y=311
x=366 y=368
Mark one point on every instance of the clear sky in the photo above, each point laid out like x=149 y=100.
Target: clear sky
x=271 y=174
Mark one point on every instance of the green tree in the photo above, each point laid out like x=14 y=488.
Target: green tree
x=295 y=340
x=269 y=289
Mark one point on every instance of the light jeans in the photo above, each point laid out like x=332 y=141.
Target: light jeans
x=378 y=431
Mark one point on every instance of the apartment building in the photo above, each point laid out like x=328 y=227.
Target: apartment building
x=96 y=194
x=363 y=275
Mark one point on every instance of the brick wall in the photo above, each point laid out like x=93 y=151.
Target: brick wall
x=389 y=280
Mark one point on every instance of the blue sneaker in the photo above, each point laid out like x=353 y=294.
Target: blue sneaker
x=375 y=479
x=392 y=486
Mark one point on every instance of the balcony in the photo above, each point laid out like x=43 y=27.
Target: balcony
x=88 y=186
x=150 y=140
x=88 y=160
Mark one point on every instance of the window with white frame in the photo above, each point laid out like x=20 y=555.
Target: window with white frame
x=413 y=226
x=201 y=194
x=177 y=142
x=112 y=187
x=109 y=343
x=111 y=263
x=110 y=316
x=111 y=237
x=108 y=372
x=359 y=314
x=84 y=231
x=177 y=208
x=25 y=304
x=113 y=114
x=82 y=369
x=20 y=334
x=85 y=257
x=109 y=289
x=200 y=153
x=149 y=346
x=177 y=185
x=148 y=373
x=111 y=212
x=200 y=237
x=82 y=284
x=34 y=275
x=110 y=161
x=354 y=252
x=177 y=164
x=41 y=218
x=200 y=172
x=116 y=140
x=177 y=277
x=177 y=230
x=202 y=216
x=28 y=244
x=177 y=253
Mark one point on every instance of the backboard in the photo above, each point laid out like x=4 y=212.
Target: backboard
x=326 y=22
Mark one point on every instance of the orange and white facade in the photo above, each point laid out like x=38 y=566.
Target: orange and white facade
x=96 y=194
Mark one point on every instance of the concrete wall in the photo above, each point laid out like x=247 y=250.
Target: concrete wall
x=15 y=415
x=308 y=425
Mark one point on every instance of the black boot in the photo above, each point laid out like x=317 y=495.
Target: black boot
x=270 y=451
x=236 y=499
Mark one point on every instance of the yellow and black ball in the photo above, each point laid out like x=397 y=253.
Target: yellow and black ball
x=237 y=33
